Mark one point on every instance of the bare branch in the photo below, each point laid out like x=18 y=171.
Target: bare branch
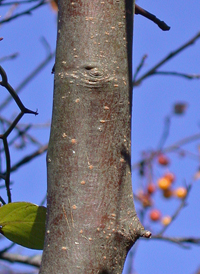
x=7 y=248
x=165 y=134
x=178 y=240
x=182 y=142
x=17 y=2
x=174 y=73
x=26 y=12
x=161 y=24
x=4 y=136
x=167 y=58
x=139 y=67
x=8 y=57
x=29 y=78
x=170 y=148
x=7 y=174
x=20 y=132
x=17 y=258
x=29 y=157
x=14 y=95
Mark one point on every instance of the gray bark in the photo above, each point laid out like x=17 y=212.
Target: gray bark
x=91 y=219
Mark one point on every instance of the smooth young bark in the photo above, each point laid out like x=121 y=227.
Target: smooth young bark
x=91 y=220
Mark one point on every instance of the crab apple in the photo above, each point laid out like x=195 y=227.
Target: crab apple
x=181 y=192
x=170 y=176
x=167 y=193
x=163 y=160
x=145 y=199
x=151 y=188
x=164 y=183
x=155 y=215
x=166 y=220
x=180 y=108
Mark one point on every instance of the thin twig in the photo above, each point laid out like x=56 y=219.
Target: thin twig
x=2 y=200
x=165 y=134
x=168 y=149
x=8 y=57
x=26 y=12
x=13 y=124
x=7 y=248
x=20 y=132
x=16 y=258
x=139 y=67
x=43 y=200
x=161 y=24
x=29 y=78
x=7 y=174
x=167 y=58
x=182 y=142
x=174 y=73
x=12 y=92
x=179 y=240
x=4 y=136
x=29 y=157
x=17 y=2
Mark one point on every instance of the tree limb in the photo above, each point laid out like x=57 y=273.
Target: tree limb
x=17 y=258
x=161 y=24
x=153 y=70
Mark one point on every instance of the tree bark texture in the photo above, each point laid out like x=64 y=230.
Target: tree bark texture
x=91 y=219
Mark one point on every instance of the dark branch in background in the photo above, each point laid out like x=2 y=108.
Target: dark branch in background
x=14 y=95
x=16 y=258
x=161 y=24
x=174 y=147
x=2 y=3
x=182 y=142
x=4 y=136
x=29 y=78
x=26 y=12
x=165 y=133
x=7 y=175
x=7 y=248
x=2 y=201
x=153 y=70
x=9 y=57
x=29 y=157
x=178 y=240
x=42 y=203
x=20 y=133
x=174 y=73
x=139 y=67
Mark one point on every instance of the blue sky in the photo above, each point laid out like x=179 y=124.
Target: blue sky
x=153 y=100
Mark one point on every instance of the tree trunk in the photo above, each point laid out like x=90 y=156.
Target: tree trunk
x=91 y=220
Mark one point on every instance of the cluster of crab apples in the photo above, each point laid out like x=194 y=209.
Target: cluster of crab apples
x=164 y=185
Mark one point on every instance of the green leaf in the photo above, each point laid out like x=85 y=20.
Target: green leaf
x=23 y=223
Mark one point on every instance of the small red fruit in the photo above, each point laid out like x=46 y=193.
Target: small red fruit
x=167 y=193
x=170 y=176
x=145 y=199
x=155 y=215
x=163 y=160
x=151 y=188
x=180 y=108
